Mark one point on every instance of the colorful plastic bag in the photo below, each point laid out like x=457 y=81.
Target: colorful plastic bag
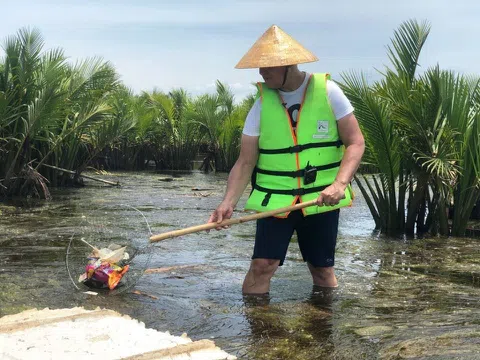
x=103 y=269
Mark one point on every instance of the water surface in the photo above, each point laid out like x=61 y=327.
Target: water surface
x=397 y=299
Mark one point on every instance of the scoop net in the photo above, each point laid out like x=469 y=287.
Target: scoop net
x=107 y=256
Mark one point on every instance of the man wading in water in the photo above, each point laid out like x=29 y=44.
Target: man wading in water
x=301 y=141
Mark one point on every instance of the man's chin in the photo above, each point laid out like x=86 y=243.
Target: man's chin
x=272 y=85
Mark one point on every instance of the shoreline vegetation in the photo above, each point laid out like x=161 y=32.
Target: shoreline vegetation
x=420 y=172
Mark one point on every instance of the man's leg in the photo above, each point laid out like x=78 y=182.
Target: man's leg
x=317 y=239
x=323 y=276
x=257 y=280
x=271 y=243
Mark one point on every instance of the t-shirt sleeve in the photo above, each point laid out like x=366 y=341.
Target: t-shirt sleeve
x=341 y=106
x=252 y=122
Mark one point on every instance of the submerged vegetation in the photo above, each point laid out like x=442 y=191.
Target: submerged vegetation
x=421 y=130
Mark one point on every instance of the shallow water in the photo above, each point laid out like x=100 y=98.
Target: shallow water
x=397 y=299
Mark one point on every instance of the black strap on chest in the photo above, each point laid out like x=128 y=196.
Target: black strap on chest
x=299 y=148
x=297 y=173
x=293 y=192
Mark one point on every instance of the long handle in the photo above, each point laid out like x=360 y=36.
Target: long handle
x=209 y=226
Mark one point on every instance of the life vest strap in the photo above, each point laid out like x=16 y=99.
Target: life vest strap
x=300 y=147
x=293 y=192
x=297 y=173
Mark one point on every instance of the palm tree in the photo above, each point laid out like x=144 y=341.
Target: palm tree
x=50 y=111
x=420 y=136
x=382 y=153
x=221 y=124
x=178 y=140
x=30 y=85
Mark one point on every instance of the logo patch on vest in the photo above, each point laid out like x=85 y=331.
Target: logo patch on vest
x=322 y=129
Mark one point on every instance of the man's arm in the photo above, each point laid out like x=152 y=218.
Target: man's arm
x=238 y=178
x=352 y=138
x=241 y=172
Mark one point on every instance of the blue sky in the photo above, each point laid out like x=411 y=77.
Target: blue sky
x=191 y=44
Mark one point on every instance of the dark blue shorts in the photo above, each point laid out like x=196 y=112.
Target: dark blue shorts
x=317 y=237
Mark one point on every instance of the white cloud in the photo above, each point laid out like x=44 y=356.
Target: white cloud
x=236 y=85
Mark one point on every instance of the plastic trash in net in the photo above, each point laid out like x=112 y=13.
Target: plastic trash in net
x=109 y=251
x=105 y=267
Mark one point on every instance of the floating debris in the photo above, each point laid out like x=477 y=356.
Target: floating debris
x=170 y=268
x=138 y=292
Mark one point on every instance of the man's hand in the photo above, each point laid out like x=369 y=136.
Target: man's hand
x=332 y=195
x=352 y=138
x=222 y=212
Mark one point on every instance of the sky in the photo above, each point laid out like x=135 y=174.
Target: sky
x=190 y=44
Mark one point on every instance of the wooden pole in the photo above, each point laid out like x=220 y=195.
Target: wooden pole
x=83 y=175
x=228 y=222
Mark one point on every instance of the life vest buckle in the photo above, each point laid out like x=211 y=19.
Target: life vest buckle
x=310 y=174
x=266 y=199
x=295 y=149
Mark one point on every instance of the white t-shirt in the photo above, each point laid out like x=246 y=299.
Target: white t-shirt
x=341 y=106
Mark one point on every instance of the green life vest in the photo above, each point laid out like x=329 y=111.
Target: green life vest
x=286 y=159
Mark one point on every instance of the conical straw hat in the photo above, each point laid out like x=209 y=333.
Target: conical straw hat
x=275 y=48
